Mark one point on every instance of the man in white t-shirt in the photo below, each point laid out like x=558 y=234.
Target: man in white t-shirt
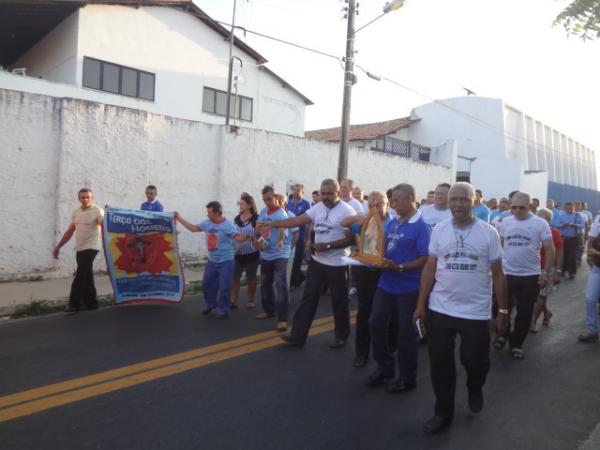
x=85 y=225
x=346 y=187
x=523 y=234
x=438 y=210
x=332 y=242
x=465 y=259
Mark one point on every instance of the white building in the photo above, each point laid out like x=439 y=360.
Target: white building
x=161 y=56
x=501 y=149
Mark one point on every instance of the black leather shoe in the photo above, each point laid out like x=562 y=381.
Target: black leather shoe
x=337 y=343
x=435 y=425
x=377 y=378
x=400 y=386
x=360 y=361
x=70 y=310
x=475 y=401
x=291 y=340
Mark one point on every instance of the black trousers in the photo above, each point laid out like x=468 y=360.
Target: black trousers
x=570 y=255
x=474 y=356
x=366 y=284
x=317 y=275
x=83 y=289
x=297 y=276
x=525 y=290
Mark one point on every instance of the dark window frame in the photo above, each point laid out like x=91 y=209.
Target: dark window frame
x=120 y=68
x=214 y=105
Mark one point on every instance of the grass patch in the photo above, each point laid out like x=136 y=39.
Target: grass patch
x=36 y=308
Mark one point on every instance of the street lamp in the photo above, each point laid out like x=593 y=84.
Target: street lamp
x=350 y=79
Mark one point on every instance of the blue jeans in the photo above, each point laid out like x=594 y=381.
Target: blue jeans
x=385 y=306
x=217 y=285
x=274 y=300
x=592 y=293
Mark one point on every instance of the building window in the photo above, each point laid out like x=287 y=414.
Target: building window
x=109 y=77
x=215 y=102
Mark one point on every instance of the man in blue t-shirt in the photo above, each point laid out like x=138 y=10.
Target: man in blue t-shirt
x=274 y=254
x=218 y=274
x=151 y=203
x=479 y=209
x=298 y=206
x=406 y=251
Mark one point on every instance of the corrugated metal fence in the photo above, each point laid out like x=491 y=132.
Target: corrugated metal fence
x=563 y=193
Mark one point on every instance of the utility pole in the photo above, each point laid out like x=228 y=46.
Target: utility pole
x=349 y=80
x=230 y=63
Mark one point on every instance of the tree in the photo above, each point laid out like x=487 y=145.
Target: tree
x=581 y=18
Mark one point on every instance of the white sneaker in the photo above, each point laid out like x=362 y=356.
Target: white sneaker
x=352 y=291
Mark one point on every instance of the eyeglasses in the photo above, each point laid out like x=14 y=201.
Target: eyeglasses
x=518 y=207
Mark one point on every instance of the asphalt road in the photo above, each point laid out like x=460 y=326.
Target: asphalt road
x=266 y=396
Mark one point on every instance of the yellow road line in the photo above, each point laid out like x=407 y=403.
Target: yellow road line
x=75 y=383
x=75 y=395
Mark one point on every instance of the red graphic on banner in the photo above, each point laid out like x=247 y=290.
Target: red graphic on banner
x=141 y=254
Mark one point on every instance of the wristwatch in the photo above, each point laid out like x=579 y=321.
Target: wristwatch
x=503 y=311
x=328 y=246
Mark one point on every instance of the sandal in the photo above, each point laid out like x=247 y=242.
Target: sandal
x=499 y=342
x=233 y=306
x=517 y=353
x=250 y=305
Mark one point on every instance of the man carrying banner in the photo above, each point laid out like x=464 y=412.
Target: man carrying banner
x=218 y=274
x=85 y=224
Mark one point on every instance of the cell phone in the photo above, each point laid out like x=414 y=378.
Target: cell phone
x=420 y=326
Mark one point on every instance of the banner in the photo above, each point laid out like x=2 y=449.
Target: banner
x=142 y=257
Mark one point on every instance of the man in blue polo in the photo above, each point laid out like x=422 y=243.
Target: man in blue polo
x=151 y=203
x=406 y=251
x=298 y=206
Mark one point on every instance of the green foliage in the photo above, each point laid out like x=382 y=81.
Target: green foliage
x=581 y=18
x=36 y=308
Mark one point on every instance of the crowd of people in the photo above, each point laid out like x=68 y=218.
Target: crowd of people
x=452 y=264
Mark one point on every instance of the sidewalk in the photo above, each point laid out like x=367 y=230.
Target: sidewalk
x=15 y=294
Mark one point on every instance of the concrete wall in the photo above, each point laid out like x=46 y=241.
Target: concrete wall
x=55 y=57
x=183 y=53
x=54 y=146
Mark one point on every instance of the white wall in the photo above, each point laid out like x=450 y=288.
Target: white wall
x=55 y=56
x=52 y=147
x=185 y=55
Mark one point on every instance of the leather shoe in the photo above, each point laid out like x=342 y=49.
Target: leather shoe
x=360 y=361
x=206 y=311
x=435 y=425
x=337 y=343
x=291 y=340
x=377 y=378
x=475 y=401
x=400 y=386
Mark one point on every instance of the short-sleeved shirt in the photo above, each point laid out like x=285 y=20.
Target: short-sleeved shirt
x=246 y=228
x=593 y=234
x=327 y=225
x=482 y=212
x=522 y=242
x=566 y=219
x=356 y=205
x=155 y=206
x=271 y=235
x=299 y=208
x=87 y=227
x=463 y=283
x=219 y=239
x=558 y=244
x=404 y=242
x=432 y=215
x=494 y=213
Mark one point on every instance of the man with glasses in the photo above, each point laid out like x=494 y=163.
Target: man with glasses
x=332 y=242
x=523 y=235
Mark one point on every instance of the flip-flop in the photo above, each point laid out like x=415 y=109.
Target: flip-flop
x=250 y=305
x=517 y=353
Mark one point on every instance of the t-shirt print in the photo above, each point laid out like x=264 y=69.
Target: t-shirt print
x=212 y=240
